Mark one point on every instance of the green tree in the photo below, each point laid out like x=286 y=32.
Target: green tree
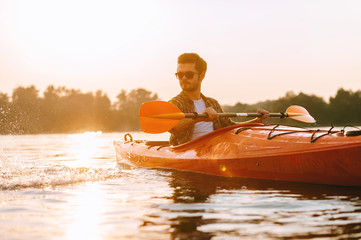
x=69 y=110
x=315 y=105
x=50 y=109
x=4 y=99
x=127 y=108
x=76 y=111
x=4 y=112
x=345 y=107
x=102 y=111
x=26 y=110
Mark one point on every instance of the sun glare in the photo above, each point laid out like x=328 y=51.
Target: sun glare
x=84 y=147
x=87 y=217
x=75 y=35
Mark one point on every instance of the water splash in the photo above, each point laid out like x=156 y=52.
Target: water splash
x=15 y=175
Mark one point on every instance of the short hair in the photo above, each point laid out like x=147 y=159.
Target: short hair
x=200 y=64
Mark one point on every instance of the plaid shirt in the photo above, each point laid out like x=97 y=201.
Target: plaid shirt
x=186 y=105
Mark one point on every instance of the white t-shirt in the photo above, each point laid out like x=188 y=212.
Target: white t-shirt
x=201 y=128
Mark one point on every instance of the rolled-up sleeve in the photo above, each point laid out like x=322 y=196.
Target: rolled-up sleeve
x=179 y=137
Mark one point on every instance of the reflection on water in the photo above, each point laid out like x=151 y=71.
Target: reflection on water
x=207 y=206
x=70 y=187
x=86 y=216
x=84 y=147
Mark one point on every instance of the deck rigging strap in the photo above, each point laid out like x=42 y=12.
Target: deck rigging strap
x=241 y=129
x=312 y=140
x=318 y=137
x=269 y=137
x=344 y=128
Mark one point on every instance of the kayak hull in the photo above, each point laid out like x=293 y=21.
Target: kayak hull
x=253 y=152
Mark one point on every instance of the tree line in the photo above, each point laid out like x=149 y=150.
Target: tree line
x=342 y=109
x=63 y=110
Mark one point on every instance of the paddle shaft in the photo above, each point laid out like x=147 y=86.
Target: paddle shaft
x=204 y=115
x=160 y=116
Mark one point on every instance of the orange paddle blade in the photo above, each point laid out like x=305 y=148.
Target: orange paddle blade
x=300 y=114
x=159 y=116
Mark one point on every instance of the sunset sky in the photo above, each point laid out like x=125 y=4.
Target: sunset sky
x=255 y=49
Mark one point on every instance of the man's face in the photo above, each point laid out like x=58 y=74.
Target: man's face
x=188 y=84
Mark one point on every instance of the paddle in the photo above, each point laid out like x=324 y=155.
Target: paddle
x=159 y=116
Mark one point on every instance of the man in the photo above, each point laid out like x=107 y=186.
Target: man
x=191 y=70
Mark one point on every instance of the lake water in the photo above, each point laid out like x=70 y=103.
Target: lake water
x=61 y=186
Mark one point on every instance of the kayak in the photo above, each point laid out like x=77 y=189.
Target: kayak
x=272 y=152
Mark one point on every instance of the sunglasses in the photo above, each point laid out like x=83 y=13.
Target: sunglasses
x=188 y=74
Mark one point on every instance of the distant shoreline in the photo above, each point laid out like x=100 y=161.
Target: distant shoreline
x=63 y=110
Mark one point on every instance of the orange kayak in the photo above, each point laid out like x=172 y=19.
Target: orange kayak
x=257 y=151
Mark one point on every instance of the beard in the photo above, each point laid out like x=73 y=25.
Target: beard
x=189 y=86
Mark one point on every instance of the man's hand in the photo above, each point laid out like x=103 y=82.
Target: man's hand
x=212 y=115
x=265 y=114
